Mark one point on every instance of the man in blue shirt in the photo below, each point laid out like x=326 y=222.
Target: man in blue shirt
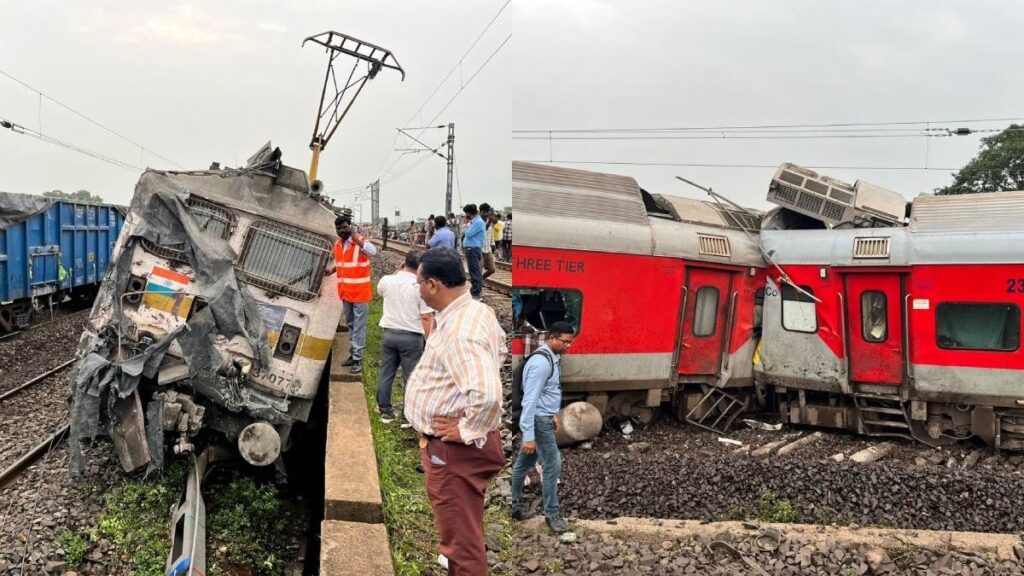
x=472 y=245
x=542 y=399
x=443 y=235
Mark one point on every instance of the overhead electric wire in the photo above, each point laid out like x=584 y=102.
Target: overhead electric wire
x=714 y=165
x=90 y=120
x=767 y=126
x=19 y=129
x=731 y=137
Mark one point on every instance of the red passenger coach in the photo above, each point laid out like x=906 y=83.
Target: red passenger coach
x=663 y=291
x=910 y=331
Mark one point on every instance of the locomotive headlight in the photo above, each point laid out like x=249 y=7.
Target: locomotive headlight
x=287 y=342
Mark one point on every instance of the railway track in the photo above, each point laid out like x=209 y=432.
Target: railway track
x=27 y=421
x=500 y=281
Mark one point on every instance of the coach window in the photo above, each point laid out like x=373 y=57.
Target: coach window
x=973 y=326
x=705 y=312
x=798 y=309
x=534 y=309
x=873 y=320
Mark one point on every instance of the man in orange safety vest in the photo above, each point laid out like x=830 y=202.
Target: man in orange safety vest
x=352 y=252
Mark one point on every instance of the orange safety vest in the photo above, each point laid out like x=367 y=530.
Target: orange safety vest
x=353 y=270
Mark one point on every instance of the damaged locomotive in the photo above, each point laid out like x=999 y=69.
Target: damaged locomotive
x=217 y=314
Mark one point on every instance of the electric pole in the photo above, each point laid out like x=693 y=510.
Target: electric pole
x=451 y=167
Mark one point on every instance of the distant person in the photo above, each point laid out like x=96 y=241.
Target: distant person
x=496 y=229
x=443 y=235
x=429 y=227
x=352 y=254
x=506 y=238
x=454 y=401
x=384 y=234
x=542 y=399
x=487 y=251
x=406 y=322
x=410 y=233
x=473 y=244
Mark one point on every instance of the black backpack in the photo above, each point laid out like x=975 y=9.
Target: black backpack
x=516 y=410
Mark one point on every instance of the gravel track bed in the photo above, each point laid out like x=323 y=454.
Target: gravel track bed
x=34 y=352
x=30 y=416
x=677 y=471
x=46 y=501
x=603 y=554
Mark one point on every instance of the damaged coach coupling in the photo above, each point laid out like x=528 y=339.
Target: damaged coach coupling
x=217 y=314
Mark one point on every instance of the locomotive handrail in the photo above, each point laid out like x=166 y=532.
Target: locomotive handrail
x=906 y=337
x=844 y=383
x=674 y=371
x=728 y=334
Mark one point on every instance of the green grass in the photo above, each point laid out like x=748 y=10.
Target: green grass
x=409 y=518
x=136 y=518
x=73 y=546
x=774 y=510
x=248 y=524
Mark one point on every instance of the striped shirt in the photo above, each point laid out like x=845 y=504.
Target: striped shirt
x=458 y=374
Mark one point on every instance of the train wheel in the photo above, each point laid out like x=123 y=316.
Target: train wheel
x=631 y=405
x=6 y=319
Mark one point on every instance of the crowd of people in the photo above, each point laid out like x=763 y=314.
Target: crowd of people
x=420 y=233
x=450 y=348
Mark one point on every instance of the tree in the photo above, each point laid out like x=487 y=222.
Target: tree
x=80 y=196
x=998 y=167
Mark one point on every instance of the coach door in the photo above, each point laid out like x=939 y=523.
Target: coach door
x=874 y=327
x=705 y=319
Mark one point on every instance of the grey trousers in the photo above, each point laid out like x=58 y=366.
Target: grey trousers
x=356 y=315
x=397 y=346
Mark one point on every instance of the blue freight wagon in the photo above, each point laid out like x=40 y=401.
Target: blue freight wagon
x=51 y=249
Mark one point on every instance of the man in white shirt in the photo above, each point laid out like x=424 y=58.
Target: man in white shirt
x=406 y=322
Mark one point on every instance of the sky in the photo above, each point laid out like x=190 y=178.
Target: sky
x=198 y=82
x=601 y=64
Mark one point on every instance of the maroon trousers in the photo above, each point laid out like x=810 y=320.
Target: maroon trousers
x=457 y=476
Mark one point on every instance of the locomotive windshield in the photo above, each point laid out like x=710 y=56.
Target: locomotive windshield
x=284 y=260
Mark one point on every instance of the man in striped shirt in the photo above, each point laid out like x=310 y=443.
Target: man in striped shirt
x=453 y=399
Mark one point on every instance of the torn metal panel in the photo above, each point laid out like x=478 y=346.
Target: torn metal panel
x=218 y=297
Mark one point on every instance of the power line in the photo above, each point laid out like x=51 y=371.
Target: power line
x=458 y=64
x=732 y=137
x=713 y=165
x=86 y=118
x=768 y=126
x=19 y=129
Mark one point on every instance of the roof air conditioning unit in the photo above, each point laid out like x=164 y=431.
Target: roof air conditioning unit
x=863 y=205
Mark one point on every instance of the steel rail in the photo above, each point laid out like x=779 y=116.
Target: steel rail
x=8 y=475
x=36 y=380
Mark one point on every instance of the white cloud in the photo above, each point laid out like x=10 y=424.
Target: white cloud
x=584 y=14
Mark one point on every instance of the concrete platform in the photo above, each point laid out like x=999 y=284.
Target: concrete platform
x=351 y=483
x=353 y=548
x=339 y=353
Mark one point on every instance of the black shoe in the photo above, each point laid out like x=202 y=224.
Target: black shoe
x=557 y=525
x=357 y=368
x=348 y=362
x=519 y=515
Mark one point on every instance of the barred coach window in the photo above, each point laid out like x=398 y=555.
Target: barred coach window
x=974 y=326
x=534 y=309
x=798 y=310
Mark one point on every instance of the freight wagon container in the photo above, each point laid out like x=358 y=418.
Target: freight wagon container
x=51 y=249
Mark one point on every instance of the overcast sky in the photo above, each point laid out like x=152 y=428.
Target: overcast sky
x=211 y=81
x=198 y=82
x=606 y=64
